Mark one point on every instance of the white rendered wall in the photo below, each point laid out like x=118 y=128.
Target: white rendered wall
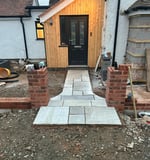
x=43 y=2
x=122 y=28
x=12 y=41
x=36 y=48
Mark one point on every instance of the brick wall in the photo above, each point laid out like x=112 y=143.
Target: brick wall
x=116 y=86
x=38 y=87
x=141 y=104
x=15 y=103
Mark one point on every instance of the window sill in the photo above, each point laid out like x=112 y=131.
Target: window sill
x=40 y=39
x=63 y=45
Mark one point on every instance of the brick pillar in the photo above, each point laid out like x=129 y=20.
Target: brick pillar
x=38 y=87
x=116 y=86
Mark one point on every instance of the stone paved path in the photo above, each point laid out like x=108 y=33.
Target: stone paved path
x=77 y=104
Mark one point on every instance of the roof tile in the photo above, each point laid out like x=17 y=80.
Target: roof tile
x=14 y=7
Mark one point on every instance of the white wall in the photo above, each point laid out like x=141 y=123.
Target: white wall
x=12 y=41
x=36 y=48
x=122 y=28
x=43 y=2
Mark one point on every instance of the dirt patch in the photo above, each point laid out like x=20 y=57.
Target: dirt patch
x=20 y=88
x=19 y=140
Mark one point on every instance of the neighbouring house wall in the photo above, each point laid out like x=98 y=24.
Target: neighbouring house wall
x=12 y=41
x=138 y=42
x=36 y=48
x=122 y=28
x=35 y=3
x=58 y=56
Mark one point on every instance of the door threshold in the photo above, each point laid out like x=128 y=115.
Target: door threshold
x=77 y=67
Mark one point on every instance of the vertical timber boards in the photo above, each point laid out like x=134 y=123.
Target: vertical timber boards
x=57 y=55
x=148 y=68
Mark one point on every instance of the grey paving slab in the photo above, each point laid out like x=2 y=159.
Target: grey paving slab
x=77 y=80
x=82 y=86
x=60 y=115
x=85 y=78
x=77 y=103
x=96 y=97
x=55 y=103
x=97 y=115
x=88 y=92
x=68 y=85
x=99 y=103
x=77 y=92
x=68 y=81
x=77 y=110
x=50 y=116
x=76 y=119
x=74 y=74
x=67 y=91
x=77 y=97
x=56 y=98
x=42 y=116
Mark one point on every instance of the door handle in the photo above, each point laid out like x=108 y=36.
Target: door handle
x=71 y=40
x=77 y=46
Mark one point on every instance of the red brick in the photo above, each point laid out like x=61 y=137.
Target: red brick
x=124 y=66
x=38 y=87
x=116 y=86
x=15 y=103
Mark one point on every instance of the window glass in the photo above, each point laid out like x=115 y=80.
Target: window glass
x=73 y=32
x=81 y=33
x=64 y=30
x=39 y=30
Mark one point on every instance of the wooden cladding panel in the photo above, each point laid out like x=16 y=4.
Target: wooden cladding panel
x=58 y=56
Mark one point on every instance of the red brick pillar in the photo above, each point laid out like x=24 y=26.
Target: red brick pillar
x=116 y=86
x=38 y=87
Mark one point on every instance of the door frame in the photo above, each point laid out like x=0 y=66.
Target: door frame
x=68 y=31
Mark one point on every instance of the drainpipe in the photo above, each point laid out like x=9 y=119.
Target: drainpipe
x=116 y=33
x=24 y=36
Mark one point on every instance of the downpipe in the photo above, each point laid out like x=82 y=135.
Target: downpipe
x=24 y=37
x=116 y=34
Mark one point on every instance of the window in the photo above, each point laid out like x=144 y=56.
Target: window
x=39 y=30
x=64 y=30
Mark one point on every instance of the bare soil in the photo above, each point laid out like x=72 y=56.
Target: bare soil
x=20 y=140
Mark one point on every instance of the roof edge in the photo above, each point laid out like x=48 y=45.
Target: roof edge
x=37 y=7
x=17 y=16
x=141 y=8
x=54 y=9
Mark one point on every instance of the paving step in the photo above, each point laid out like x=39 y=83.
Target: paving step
x=78 y=97
x=77 y=105
x=77 y=115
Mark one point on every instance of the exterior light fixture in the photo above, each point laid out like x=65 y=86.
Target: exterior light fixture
x=51 y=21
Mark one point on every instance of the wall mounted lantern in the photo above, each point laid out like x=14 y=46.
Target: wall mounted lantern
x=51 y=21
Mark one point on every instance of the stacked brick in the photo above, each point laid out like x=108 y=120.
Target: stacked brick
x=116 y=86
x=15 y=103
x=38 y=87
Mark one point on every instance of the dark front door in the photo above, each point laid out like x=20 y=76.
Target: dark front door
x=78 y=40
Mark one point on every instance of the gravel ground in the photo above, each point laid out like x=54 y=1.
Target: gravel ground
x=20 y=140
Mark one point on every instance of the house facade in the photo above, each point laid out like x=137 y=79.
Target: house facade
x=113 y=31
x=65 y=32
x=73 y=32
